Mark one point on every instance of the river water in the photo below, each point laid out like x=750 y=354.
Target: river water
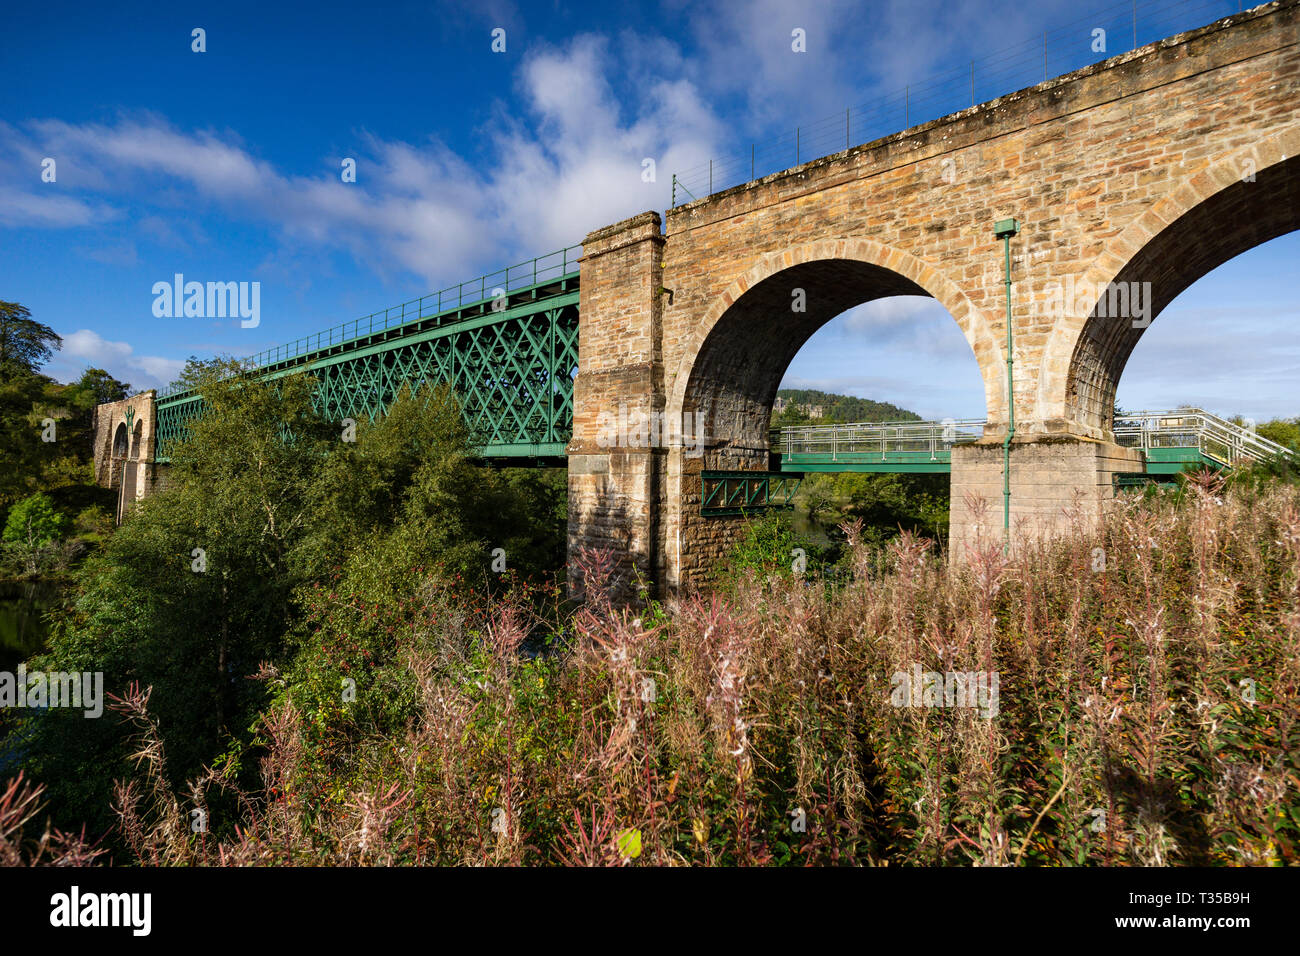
x=22 y=623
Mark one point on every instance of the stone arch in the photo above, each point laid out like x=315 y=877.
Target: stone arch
x=734 y=359
x=1211 y=217
x=136 y=437
x=736 y=354
x=121 y=441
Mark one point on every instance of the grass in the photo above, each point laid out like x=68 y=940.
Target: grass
x=1148 y=694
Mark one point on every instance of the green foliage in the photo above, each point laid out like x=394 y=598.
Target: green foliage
x=836 y=408
x=886 y=503
x=770 y=547
x=199 y=372
x=35 y=522
x=22 y=395
x=25 y=344
x=277 y=541
x=61 y=467
x=33 y=539
x=97 y=387
x=1284 y=431
x=192 y=594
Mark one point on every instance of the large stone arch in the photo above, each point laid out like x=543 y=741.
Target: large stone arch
x=1212 y=216
x=736 y=354
x=752 y=328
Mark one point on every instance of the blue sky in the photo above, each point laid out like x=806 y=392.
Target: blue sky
x=225 y=166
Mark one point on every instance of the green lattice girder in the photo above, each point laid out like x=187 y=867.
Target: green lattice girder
x=512 y=370
x=725 y=493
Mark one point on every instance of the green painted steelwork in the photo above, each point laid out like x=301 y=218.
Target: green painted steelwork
x=1171 y=442
x=510 y=356
x=807 y=463
x=1129 y=480
x=1173 y=461
x=917 y=447
x=1004 y=229
x=1160 y=461
x=728 y=493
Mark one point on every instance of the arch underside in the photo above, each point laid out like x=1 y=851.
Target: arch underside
x=739 y=367
x=1232 y=221
x=120 y=441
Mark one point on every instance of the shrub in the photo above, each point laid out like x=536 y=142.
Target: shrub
x=1148 y=713
x=34 y=522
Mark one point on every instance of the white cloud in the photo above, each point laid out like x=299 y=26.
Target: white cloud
x=118 y=358
x=50 y=209
x=909 y=323
x=747 y=51
x=570 y=161
x=1238 y=359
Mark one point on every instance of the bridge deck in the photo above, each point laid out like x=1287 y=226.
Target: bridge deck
x=507 y=342
x=1171 y=441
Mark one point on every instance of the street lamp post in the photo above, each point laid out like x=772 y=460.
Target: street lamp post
x=1004 y=229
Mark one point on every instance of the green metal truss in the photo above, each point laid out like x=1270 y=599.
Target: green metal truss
x=510 y=358
x=725 y=493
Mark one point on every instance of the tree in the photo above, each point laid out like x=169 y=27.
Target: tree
x=191 y=594
x=100 y=388
x=33 y=526
x=34 y=522
x=274 y=527
x=199 y=371
x=25 y=344
x=1284 y=431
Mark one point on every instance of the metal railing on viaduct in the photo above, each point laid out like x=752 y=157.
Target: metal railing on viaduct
x=1171 y=441
x=506 y=342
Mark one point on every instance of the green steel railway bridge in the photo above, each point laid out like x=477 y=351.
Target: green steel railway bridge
x=508 y=343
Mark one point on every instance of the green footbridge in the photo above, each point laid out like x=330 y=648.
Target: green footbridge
x=1183 y=439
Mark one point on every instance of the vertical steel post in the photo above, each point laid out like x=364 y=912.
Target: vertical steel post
x=1004 y=229
x=1011 y=408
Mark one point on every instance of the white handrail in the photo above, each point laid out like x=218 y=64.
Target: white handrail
x=1211 y=435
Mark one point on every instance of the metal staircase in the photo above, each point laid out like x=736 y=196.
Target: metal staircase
x=1190 y=436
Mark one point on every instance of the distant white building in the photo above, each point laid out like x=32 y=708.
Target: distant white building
x=812 y=411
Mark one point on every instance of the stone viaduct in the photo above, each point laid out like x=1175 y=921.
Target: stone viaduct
x=124 y=448
x=1152 y=167
x=1138 y=175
